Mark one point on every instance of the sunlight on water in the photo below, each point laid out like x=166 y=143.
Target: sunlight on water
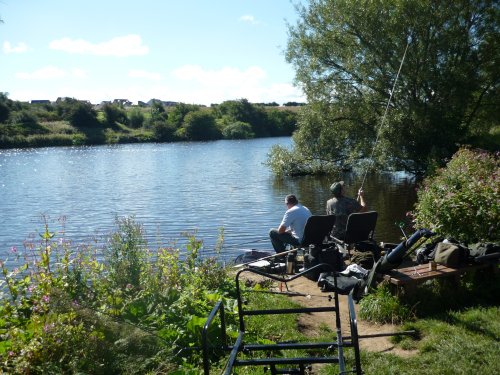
x=171 y=189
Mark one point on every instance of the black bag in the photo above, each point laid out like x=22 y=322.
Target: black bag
x=344 y=283
x=316 y=255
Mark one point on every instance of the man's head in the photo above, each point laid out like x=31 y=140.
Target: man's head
x=337 y=188
x=291 y=200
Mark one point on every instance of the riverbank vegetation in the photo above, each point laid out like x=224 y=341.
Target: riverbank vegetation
x=347 y=56
x=70 y=122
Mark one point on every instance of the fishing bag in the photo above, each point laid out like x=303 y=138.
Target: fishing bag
x=365 y=254
x=451 y=254
x=316 y=255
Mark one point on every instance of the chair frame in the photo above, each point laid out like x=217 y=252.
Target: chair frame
x=360 y=227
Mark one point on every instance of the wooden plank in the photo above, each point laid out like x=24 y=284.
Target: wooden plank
x=422 y=272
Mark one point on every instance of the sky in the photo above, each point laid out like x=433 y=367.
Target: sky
x=190 y=51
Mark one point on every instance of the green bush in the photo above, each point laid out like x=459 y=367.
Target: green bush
x=461 y=200
x=238 y=130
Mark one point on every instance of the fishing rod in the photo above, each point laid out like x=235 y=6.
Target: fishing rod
x=385 y=114
x=266 y=257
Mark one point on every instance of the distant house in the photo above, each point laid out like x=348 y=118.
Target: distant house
x=122 y=102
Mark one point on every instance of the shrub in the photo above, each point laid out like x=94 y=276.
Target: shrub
x=238 y=130
x=136 y=118
x=461 y=200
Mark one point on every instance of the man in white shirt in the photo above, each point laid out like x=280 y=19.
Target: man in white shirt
x=291 y=228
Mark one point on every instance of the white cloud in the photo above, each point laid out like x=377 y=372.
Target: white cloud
x=203 y=86
x=137 y=73
x=129 y=45
x=225 y=77
x=51 y=72
x=19 y=48
x=249 y=18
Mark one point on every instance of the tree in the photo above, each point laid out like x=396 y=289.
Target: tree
x=79 y=113
x=238 y=130
x=244 y=111
x=114 y=114
x=5 y=107
x=347 y=54
x=200 y=126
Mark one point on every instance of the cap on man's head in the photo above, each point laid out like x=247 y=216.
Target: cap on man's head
x=336 y=188
x=291 y=199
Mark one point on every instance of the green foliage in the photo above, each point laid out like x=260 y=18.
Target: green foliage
x=461 y=200
x=383 y=307
x=163 y=131
x=285 y=162
x=243 y=111
x=346 y=55
x=177 y=114
x=238 y=130
x=114 y=113
x=200 y=126
x=5 y=107
x=73 y=122
x=135 y=118
x=66 y=310
x=79 y=113
x=26 y=123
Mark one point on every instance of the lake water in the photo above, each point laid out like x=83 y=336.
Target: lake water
x=170 y=189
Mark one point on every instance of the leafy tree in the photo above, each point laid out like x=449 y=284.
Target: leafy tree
x=244 y=111
x=282 y=123
x=461 y=200
x=163 y=131
x=200 y=126
x=347 y=54
x=238 y=130
x=5 y=107
x=79 y=113
x=177 y=114
x=114 y=114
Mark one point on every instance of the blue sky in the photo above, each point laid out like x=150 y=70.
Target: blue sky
x=191 y=51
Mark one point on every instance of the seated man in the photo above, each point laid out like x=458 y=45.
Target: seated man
x=342 y=206
x=291 y=228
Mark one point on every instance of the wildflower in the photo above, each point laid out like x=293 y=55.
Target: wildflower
x=46 y=299
x=11 y=354
x=128 y=286
x=13 y=249
x=48 y=327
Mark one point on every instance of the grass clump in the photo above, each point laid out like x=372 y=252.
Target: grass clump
x=383 y=307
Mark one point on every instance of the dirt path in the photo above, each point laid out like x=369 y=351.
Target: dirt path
x=310 y=324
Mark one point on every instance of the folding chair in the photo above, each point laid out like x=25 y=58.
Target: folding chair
x=360 y=228
x=317 y=230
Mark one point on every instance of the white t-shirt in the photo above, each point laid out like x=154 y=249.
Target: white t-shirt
x=295 y=218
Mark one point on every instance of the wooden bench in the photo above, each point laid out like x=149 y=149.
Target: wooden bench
x=408 y=277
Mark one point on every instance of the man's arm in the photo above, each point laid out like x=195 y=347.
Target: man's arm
x=281 y=229
x=361 y=200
